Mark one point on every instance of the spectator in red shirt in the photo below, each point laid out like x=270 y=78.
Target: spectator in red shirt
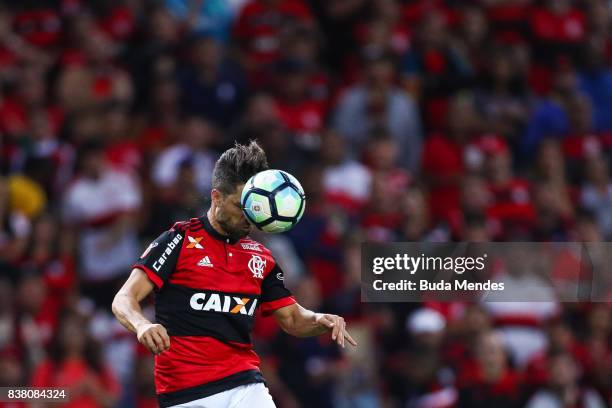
x=144 y=383
x=389 y=183
x=302 y=43
x=39 y=26
x=433 y=70
x=386 y=30
x=490 y=382
x=443 y=164
x=259 y=26
x=583 y=141
x=511 y=195
x=122 y=151
x=92 y=77
x=302 y=115
x=472 y=217
x=75 y=364
x=35 y=315
x=50 y=251
x=161 y=119
x=557 y=28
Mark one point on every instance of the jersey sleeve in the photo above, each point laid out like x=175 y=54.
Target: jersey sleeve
x=274 y=294
x=159 y=259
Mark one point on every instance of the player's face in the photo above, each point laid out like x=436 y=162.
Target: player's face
x=229 y=215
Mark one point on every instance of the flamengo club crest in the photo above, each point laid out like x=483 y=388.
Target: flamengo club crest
x=257 y=266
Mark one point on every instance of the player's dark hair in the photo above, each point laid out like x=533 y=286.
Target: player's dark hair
x=237 y=165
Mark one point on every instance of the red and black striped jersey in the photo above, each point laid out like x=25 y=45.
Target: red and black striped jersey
x=208 y=288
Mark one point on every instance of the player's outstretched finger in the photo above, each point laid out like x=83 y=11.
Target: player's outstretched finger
x=349 y=338
x=336 y=330
x=341 y=335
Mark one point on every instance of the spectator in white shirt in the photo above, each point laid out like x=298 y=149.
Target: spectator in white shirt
x=101 y=205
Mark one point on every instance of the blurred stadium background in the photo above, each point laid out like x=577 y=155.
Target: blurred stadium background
x=405 y=120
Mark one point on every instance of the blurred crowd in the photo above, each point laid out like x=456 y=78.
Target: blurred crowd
x=422 y=120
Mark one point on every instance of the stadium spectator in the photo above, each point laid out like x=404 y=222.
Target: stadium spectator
x=259 y=26
x=595 y=80
x=90 y=76
x=346 y=182
x=207 y=17
x=597 y=192
x=558 y=29
x=212 y=85
x=563 y=387
x=504 y=98
x=100 y=206
x=490 y=380
x=549 y=116
x=443 y=162
x=299 y=112
x=195 y=145
x=376 y=102
x=75 y=363
x=433 y=70
x=16 y=228
x=451 y=120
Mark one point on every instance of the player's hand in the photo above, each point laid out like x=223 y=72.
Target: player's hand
x=154 y=337
x=337 y=326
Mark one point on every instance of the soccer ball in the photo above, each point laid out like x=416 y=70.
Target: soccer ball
x=273 y=201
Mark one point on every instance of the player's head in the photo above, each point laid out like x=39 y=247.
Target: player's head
x=231 y=172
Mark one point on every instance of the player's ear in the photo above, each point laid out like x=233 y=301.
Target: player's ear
x=215 y=197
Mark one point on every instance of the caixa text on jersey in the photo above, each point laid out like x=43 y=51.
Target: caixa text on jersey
x=215 y=302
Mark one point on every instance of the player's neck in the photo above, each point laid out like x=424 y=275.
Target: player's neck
x=214 y=223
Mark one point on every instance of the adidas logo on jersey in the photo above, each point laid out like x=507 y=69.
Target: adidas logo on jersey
x=205 y=262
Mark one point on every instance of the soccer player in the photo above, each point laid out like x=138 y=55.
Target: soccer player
x=209 y=278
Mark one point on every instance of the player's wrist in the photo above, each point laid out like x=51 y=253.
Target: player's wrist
x=141 y=327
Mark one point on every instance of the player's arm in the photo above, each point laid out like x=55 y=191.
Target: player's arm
x=126 y=307
x=301 y=322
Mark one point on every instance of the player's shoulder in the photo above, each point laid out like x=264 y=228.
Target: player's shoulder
x=192 y=225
